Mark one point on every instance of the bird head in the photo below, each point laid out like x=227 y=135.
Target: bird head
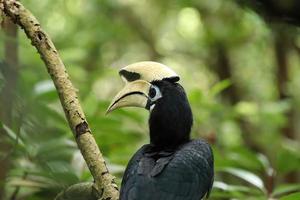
x=141 y=85
x=155 y=87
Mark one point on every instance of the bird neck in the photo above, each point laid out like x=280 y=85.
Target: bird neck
x=165 y=139
x=170 y=127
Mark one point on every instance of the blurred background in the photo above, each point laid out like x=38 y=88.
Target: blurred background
x=241 y=71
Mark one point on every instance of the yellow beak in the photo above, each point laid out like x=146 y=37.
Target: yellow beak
x=134 y=94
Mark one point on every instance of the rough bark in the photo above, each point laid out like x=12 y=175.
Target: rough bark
x=104 y=182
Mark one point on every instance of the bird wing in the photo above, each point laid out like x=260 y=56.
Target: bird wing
x=185 y=175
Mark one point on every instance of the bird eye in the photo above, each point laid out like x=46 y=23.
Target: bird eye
x=154 y=93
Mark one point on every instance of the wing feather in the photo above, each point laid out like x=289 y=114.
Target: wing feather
x=187 y=176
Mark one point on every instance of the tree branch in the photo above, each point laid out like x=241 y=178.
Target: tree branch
x=104 y=181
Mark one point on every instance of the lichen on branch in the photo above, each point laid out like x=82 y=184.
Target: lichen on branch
x=104 y=182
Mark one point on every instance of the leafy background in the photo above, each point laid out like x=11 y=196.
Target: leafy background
x=241 y=74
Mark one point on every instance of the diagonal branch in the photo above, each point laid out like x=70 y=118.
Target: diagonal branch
x=104 y=181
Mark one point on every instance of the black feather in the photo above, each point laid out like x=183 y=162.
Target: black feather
x=186 y=175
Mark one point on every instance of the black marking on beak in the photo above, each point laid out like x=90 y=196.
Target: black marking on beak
x=149 y=103
x=128 y=94
x=129 y=76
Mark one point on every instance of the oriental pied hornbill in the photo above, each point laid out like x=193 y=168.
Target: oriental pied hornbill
x=172 y=166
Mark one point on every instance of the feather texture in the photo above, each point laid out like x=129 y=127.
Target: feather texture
x=184 y=174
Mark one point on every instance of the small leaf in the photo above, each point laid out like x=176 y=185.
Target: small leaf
x=264 y=161
x=227 y=187
x=219 y=87
x=246 y=108
x=12 y=134
x=244 y=158
x=9 y=132
x=27 y=183
x=222 y=190
x=247 y=176
x=294 y=196
x=284 y=189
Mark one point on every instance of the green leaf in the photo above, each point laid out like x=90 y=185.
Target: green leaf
x=9 y=132
x=227 y=187
x=12 y=134
x=264 y=162
x=287 y=160
x=294 y=196
x=284 y=189
x=244 y=158
x=247 y=109
x=246 y=176
x=219 y=87
x=26 y=183
x=222 y=190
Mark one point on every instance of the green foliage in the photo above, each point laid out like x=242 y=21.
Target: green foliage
x=253 y=156
x=291 y=196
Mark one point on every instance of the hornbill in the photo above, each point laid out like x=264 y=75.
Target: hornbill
x=172 y=166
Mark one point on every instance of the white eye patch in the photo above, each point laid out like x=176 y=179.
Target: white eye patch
x=154 y=93
x=151 y=107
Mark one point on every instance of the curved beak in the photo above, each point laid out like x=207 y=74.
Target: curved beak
x=134 y=94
